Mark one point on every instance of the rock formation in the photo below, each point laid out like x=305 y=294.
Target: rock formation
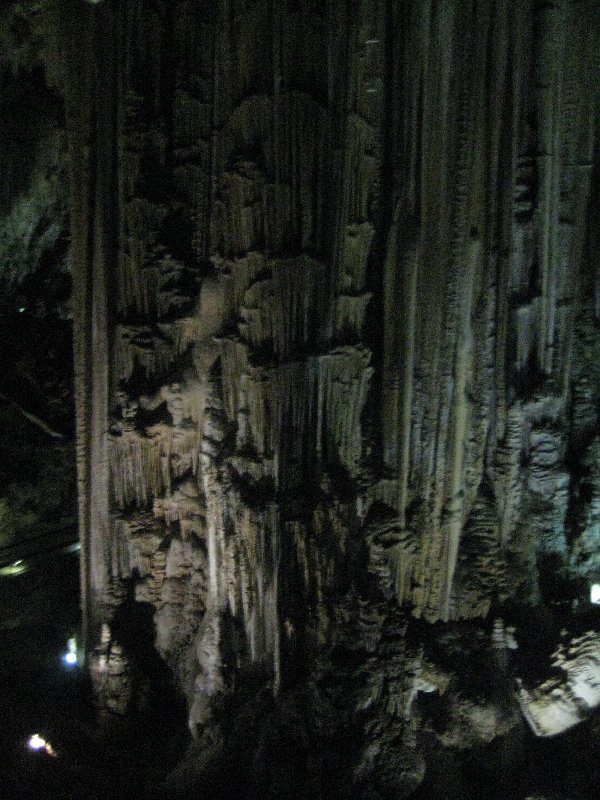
x=37 y=471
x=336 y=338
x=562 y=701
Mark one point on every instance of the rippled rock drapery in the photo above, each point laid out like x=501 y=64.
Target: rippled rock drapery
x=329 y=261
x=564 y=700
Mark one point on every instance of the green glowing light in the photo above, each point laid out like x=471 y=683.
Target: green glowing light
x=16 y=568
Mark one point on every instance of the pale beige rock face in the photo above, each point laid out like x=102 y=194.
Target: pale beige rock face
x=561 y=702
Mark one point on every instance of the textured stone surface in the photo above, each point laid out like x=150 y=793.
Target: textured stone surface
x=567 y=698
x=336 y=337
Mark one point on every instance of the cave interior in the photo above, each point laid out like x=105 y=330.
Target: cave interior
x=300 y=320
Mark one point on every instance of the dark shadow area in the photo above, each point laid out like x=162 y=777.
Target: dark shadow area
x=98 y=756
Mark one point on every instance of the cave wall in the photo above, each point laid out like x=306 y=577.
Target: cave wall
x=37 y=466
x=335 y=306
x=489 y=226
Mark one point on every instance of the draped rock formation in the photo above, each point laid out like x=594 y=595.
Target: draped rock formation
x=336 y=307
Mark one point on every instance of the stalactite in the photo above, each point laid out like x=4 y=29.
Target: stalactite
x=144 y=467
x=334 y=380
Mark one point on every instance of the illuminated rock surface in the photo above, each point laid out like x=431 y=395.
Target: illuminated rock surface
x=336 y=365
x=561 y=702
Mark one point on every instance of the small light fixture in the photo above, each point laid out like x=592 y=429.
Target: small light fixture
x=70 y=657
x=37 y=744
x=595 y=594
x=21 y=309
